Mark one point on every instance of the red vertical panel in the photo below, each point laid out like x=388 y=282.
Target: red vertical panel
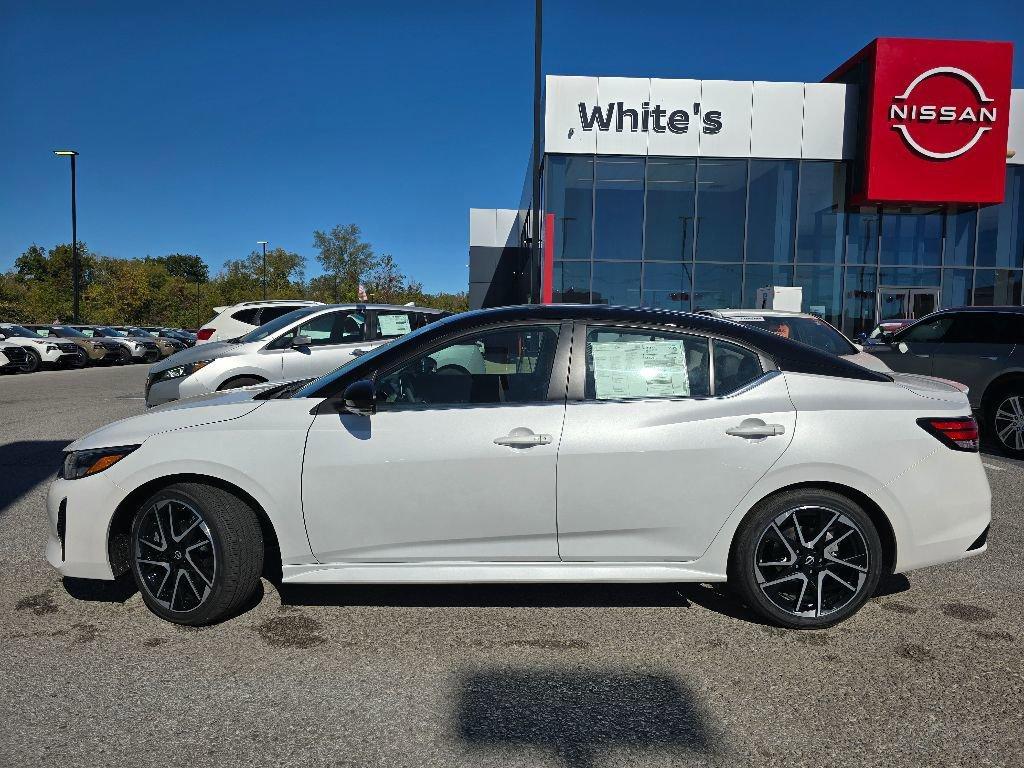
x=548 y=279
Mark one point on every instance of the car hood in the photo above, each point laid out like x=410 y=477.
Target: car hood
x=210 y=351
x=180 y=414
x=869 y=361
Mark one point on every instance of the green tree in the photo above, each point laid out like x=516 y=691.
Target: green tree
x=345 y=259
x=184 y=265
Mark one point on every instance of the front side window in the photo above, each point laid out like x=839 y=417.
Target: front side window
x=89 y=332
x=632 y=364
x=928 y=331
x=334 y=328
x=493 y=367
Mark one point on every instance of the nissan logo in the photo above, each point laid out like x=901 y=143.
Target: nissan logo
x=981 y=115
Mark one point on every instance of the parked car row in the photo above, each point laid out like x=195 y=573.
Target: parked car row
x=76 y=346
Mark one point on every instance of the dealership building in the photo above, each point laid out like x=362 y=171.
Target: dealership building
x=893 y=187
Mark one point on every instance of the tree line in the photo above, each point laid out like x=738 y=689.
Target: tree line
x=177 y=289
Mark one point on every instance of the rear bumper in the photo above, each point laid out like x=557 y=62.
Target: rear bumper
x=946 y=507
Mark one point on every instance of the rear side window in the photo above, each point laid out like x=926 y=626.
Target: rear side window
x=246 y=315
x=974 y=328
x=735 y=367
x=272 y=313
x=633 y=364
x=391 y=325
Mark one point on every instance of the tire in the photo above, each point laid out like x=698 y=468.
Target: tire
x=779 y=578
x=80 y=361
x=452 y=370
x=1005 y=420
x=214 y=572
x=33 y=361
x=241 y=381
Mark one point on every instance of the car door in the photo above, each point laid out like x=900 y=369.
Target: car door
x=974 y=350
x=913 y=348
x=332 y=338
x=453 y=465
x=665 y=432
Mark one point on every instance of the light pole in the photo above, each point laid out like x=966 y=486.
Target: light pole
x=264 y=244
x=76 y=270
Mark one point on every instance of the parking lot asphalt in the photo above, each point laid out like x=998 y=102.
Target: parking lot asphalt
x=930 y=672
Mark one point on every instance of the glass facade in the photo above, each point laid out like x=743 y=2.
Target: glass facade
x=706 y=233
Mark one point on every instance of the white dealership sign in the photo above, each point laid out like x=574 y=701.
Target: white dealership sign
x=684 y=118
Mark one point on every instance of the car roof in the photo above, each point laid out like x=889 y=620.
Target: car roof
x=1012 y=308
x=730 y=313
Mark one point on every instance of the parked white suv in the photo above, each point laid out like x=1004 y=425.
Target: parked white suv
x=42 y=351
x=302 y=344
x=238 y=319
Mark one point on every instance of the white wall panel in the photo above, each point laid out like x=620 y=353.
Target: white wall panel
x=562 y=131
x=733 y=99
x=1015 y=140
x=626 y=136
x=481 y=227
x=777 y=120
x=829 y=121
x=674 y=95
x=506 y=221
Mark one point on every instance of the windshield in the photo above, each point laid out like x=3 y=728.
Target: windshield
x=139 y=332
x=409 y=338
x=71 y=333
x=103 y=330
x=809 y=330
x=17 y=330
x=259 y=334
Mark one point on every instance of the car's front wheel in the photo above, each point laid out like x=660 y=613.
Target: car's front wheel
x=807 y=559
x=197 y=553
x=33 y=361
x=1006 y=421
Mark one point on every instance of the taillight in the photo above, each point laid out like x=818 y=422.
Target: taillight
x=960 y=434
x=204 y=334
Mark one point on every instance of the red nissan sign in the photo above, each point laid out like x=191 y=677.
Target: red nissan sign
x=933 y=120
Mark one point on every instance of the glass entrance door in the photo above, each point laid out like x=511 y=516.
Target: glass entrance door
x=901 y=303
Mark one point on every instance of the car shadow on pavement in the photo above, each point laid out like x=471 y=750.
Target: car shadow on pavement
x=96 y=591
x=24 y=464
x=579 y=715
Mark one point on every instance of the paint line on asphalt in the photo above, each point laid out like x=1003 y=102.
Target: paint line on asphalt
x=993 y=466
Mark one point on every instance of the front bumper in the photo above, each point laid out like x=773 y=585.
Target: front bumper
x=80 y=512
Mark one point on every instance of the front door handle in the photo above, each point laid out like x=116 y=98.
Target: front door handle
x=755 y=428
x=521 y=437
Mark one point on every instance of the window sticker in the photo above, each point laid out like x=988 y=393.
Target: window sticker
x=639 y=369
x=746 y=318
x=394 y=325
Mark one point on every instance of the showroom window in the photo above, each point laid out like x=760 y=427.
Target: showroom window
x=667 y=285
x=570 y=197
x=630 y=364
x=762 y=275
x=912 y=237
x=771 y=211
x=571 y=282
x=671 y=211
x=721 y=208
x=820 y=214
x=616 y=282
x=717 y=286
x=1001 y=228
x=618 y=209
x=961 y=230
x=862 y=226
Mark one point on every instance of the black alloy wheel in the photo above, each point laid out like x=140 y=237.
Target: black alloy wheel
x=33 y=361
x=807 y=559
x=197 y=553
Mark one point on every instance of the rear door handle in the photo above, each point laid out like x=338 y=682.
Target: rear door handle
x=756 y=430
x=521 y=437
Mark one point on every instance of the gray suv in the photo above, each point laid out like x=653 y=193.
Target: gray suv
x=982 y=347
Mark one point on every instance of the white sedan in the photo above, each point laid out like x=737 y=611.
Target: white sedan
x=581 y=443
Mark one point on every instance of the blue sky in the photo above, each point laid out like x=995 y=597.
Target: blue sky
x=204 y=127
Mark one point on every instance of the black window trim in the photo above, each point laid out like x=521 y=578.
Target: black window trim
x=578 y=373
x=557 y=381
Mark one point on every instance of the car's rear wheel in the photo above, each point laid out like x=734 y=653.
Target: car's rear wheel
x=197 y=553
x=807 y=559
x=33 y=361
x=1006 y=421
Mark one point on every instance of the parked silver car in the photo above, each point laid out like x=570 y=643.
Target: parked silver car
x=302 y=344
x=981 y=347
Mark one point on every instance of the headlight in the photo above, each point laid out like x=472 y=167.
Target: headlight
x=178 y=371
x=84 y=463
x=51 y=348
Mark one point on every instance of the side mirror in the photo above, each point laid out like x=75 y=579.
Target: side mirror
x=360 y=398
x=301 y=341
